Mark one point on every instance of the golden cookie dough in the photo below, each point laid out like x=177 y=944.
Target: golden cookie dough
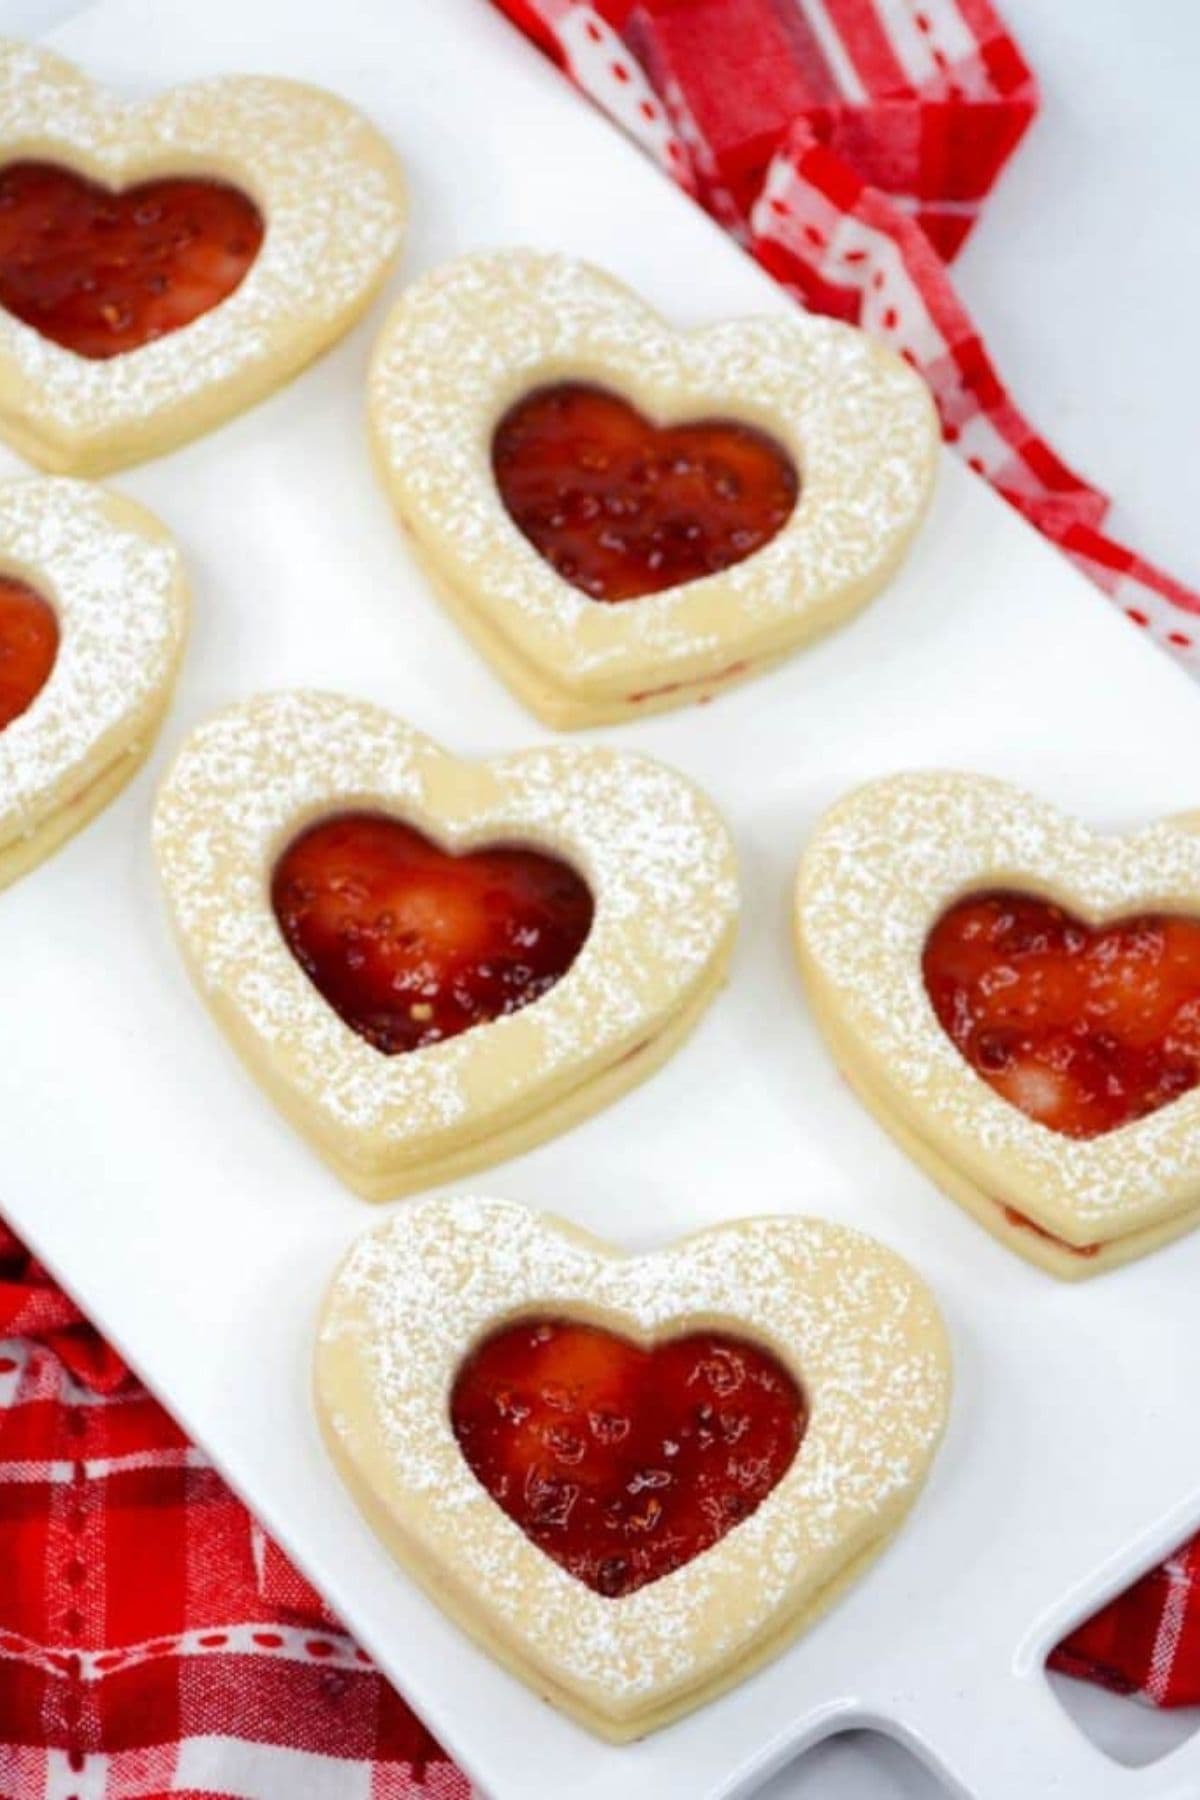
x=115 y=581
x=881 y=867
x=331 y=193
x=414 y=1296
x=652 y=848
x=463 y=343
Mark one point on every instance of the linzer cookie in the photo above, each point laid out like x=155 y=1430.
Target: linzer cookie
x=432 y=964
x=625 y=517
x=91 y=633
x=633 y=1479
x=166 y=263
x=1018 y=1000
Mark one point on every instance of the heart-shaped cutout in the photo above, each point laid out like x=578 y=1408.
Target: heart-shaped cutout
x=639 y=841
x=818 y=1310
x=102 y=271
x=28 y=646
x=623 y=1461
x=969 y=949
x=485 y=370
x=167 y=263
x=91 y=633
x=410 y=944
x=622 y=507
x=1084 y=1027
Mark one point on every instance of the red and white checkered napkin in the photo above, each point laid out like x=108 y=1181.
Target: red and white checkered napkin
x=152 y=1641
x=848 y=144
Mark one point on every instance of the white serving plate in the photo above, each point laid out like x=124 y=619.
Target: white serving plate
x=199 y=1233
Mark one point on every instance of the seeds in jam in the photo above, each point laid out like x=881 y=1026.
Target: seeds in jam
x=101 y=272
x=622 y=507
x=410 y=944
x=28 y=646
x=622 y=1463
x=1085 y=1028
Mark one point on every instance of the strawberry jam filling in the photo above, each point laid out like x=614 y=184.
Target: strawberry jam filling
x=28 y=646
x=622 y=507
x=1024 y=1223
x=102 y=271
x=410 y=944
x=1083 y=1027
x=622 y=1463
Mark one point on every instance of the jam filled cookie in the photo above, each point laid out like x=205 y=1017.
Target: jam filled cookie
x=1018 y=1000
x=167 y=263
x=432 y=964
x=626 y=517
x=93 y=613
x=632 y=1479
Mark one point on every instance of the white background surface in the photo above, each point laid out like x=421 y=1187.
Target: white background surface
x=1083 y=276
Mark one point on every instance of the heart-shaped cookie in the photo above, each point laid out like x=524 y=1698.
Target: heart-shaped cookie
x=512 y=364
x=93 y=614
x=533 y=1003
x=261 y=218
x=844 y=1334
x=1013 y=996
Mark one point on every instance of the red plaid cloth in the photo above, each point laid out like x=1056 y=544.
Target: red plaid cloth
x=152 y=1641
x=1147 y=1640
x=848 y=145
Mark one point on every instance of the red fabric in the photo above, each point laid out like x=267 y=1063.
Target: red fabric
x=1147 y=1640
x=848 y=144
x=152 y=1640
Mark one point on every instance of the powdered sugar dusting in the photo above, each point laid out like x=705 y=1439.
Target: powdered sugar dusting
x=326 y=182
x=114 y=579
x=880 y=869
x=651 y=847
x=468 y=339
x=850 y=1319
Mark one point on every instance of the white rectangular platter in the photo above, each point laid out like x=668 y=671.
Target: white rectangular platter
x=199 y=1232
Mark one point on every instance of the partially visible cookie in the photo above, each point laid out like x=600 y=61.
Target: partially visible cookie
x=206 y=245
x=93 y=616
x=1018 y=1000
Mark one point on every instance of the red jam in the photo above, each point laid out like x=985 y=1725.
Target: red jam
x=1024 y=1223
x=410 y=944
x=1083 y=1027
x=101 y=271
x=622 y=507
x=28 y=646
x=619 y=1462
